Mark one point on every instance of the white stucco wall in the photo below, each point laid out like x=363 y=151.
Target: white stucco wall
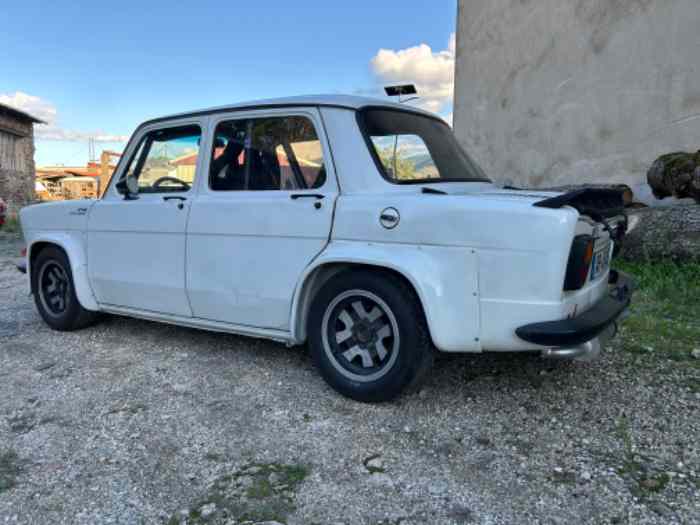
x=552 y=92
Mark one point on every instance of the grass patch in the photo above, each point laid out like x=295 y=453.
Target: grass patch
x=665 y=311
x=258 y=492
x=9 y=470
x=643 y=479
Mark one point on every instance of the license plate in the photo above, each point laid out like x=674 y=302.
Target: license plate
x=601 y=261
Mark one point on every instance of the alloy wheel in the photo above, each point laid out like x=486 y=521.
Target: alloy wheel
x=54 y=288
x=360 y=335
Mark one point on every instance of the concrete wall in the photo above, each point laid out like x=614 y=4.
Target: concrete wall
x=552 y=92
x=16 y=160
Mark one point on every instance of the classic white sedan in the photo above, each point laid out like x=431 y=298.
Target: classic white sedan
x=355 y=224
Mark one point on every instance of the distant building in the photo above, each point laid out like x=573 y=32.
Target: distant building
x=76 y=182
x=79 y=188
x=560 y=92
x=16 y=155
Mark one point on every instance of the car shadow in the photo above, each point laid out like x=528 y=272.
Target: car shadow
x=451 y=373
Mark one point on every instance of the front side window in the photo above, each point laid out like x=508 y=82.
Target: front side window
x=410 y=148
x=275 y=153
x=165 y=160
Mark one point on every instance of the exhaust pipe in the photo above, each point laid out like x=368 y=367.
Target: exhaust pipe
x=587 y=351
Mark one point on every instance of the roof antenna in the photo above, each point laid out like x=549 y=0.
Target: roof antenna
x=403 y=89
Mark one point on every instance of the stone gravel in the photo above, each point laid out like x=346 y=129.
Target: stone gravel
x=138 y=422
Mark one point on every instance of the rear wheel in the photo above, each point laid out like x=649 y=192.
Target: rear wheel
x=54 y=292
x=368 y=335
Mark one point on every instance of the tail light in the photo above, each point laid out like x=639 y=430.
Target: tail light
x=23 y=252
x=580 y=259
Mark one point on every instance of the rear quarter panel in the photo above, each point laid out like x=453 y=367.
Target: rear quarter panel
x=493 y=265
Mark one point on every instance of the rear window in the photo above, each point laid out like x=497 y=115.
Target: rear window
x=412 y=148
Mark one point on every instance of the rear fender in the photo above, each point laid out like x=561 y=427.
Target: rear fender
x=444 y=278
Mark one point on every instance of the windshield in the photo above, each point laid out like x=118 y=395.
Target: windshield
x=411 y=148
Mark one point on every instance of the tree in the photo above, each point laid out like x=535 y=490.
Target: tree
x=405 y=168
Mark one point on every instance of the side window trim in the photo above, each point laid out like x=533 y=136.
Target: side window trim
x=294 y=164
x=147 y=143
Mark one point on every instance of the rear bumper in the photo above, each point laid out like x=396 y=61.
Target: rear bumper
x=587 y=326
x=22 y=267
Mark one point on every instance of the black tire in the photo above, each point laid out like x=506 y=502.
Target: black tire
x=344 y=360
x=54 y=292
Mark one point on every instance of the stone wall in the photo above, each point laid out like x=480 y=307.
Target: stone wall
x=17 y=171
x=554 y=92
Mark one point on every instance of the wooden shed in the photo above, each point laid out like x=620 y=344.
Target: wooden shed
x=16 y=155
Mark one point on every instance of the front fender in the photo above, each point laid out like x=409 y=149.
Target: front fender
x=73 y=243
x=445 y=279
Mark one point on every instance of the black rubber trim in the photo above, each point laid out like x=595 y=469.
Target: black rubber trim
x=572 y=332
x=588 y=202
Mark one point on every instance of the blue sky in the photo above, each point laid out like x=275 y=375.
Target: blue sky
x=97 y=69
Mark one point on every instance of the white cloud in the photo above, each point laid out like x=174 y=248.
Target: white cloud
x=47 y=112
x=431 y=71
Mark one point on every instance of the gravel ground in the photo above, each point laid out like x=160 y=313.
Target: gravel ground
x=138 y=422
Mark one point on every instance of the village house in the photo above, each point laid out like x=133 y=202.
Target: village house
x=16 y=155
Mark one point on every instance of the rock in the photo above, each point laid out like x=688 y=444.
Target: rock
x=375 y=463
x=246 y=482
x=586 y=476
x=438 y=488
x=206 y=511
x=660 y=509
x=650 y=483
x=274 y=478
x=695 y=353
x=45 y=366
x=382 y=479
x=671 y=232
x=676 y=175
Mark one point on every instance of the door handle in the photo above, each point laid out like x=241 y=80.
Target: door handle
x=318 y=196
x=180 y=198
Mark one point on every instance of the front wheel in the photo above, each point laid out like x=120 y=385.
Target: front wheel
x=54 y=292
x=368 y=335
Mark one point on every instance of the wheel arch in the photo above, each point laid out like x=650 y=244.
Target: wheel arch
x=75 y=254
x=321 y=273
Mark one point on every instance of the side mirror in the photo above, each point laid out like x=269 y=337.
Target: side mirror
x=129 y=187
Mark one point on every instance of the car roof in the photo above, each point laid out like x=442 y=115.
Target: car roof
x=338 y=101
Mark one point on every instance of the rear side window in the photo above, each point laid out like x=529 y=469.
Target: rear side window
x=411 y=148
x=264 y=154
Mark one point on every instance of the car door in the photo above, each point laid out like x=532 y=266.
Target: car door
x=263 y=216
x=136 y=239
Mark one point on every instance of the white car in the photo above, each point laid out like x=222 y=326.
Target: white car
x=353 y=224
